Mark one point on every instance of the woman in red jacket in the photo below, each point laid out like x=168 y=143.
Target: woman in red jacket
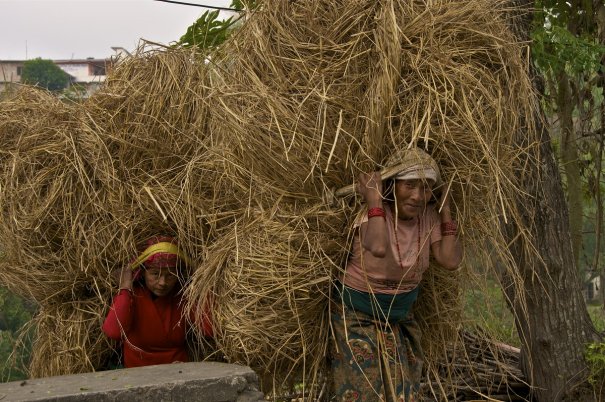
x=147 y=313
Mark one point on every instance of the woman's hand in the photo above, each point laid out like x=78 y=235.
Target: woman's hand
x=126 y=278
x=374 y=231
x=369 y=186
x=448 y=250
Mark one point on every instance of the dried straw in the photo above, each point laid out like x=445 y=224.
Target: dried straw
x=303 y=91
x=68 y=339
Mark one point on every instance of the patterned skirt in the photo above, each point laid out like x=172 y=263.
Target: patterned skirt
x=373 y=360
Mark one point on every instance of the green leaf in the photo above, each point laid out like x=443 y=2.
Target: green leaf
x=556 y=49
x=208 y=31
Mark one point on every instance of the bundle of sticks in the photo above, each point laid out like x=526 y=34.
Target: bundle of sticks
x=477 y=370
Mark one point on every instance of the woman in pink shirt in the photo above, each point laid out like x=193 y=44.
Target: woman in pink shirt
x=376 y=354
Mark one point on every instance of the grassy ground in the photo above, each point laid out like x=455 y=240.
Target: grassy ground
x=489 y=310
x=486 y=308
x=597 y=314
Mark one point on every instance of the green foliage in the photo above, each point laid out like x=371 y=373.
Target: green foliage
x=579 y=13
x=208 y=31
x=595 y=357
x=595 y=352
x=597 y=315
x=10 y=369
x=14 y=314
x=241 y=5
x=13 y=311
x=45 y=74
x=556 y=49
x=567 y=51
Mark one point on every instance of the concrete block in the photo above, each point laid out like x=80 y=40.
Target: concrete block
x=182 y=382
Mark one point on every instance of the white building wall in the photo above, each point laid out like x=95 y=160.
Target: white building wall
x=78 y=71
x=82 y=72
x=9 y=71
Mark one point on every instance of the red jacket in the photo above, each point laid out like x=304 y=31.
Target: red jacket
x=153 y=330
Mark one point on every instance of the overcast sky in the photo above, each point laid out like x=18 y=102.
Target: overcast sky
x=77 y=29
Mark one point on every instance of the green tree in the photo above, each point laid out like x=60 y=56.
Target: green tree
x=550 y=313
x=568 y=53
x=45 y=74
x=207 y=31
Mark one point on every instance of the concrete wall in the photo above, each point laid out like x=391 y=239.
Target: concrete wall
x=9 y=71
x=82 y=71
x=182 y=382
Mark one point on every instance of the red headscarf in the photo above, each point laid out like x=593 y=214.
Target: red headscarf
x=160 y=252
x=161 y=259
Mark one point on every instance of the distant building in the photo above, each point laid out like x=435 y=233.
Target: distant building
x=592 y=289
x=10 y=71
x=87 y=74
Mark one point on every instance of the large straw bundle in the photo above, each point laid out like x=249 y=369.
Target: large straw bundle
x=68 y=339
x=269 y=277
x=239 y=156
x=82 y=188
x=313 y=92
x=48 y=200
x=146 y=133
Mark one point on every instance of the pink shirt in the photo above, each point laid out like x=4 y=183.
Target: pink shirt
x=402 y=268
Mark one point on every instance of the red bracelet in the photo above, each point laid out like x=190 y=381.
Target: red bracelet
x=372 y=212
x=449 y=228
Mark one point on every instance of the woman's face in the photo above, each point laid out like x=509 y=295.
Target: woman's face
x=160 y=281
x=411 y=197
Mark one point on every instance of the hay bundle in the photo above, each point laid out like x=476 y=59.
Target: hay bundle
x=68 y=339
x=239 y=157
x=48 y=200
x=146 y=131
x=268 y=276
x=83 y=181
x=313 y=92
x=82 y=189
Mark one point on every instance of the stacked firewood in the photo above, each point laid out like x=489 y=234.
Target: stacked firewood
x=477 y=370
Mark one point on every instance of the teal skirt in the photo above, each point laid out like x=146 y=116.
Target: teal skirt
x=375 y=353
x=383 y=307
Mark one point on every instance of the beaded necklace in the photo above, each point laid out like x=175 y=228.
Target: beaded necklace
x=417 y=244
